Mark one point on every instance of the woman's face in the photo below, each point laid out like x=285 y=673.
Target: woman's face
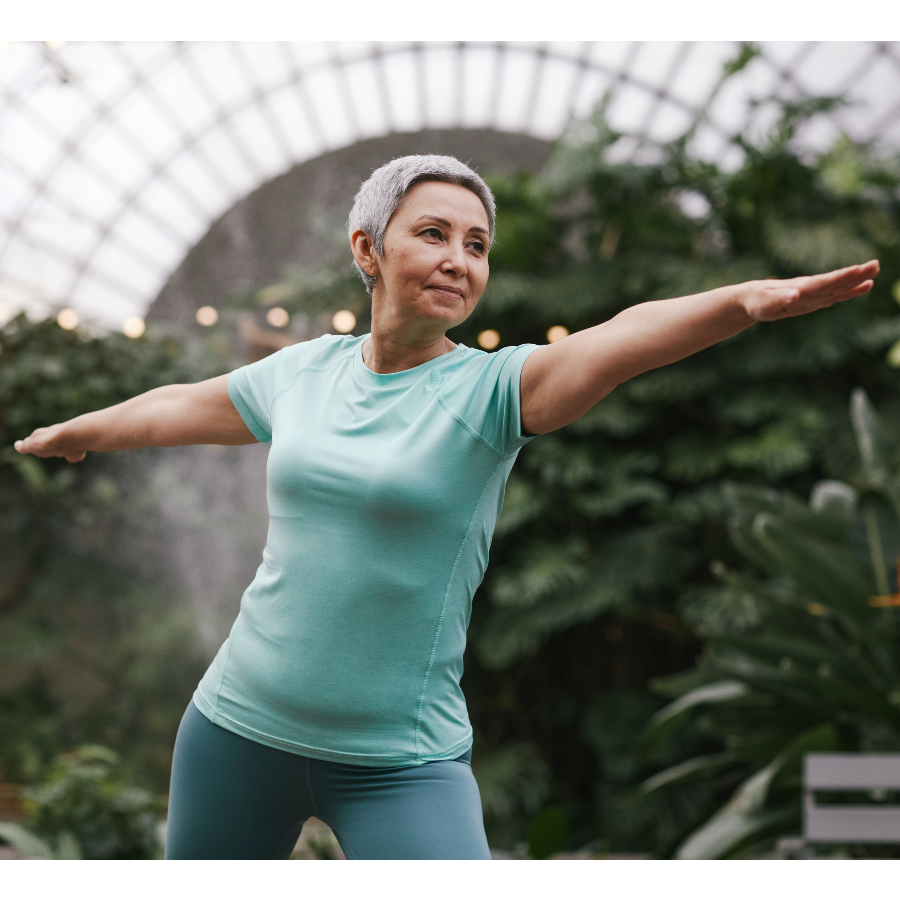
x=435 y=262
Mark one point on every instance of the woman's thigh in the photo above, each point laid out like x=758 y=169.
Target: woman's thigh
x=231 y=798
x=431 y=811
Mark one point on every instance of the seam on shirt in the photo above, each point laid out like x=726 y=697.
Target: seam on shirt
x=297 y=374
x=224 y=668
x=437 y=632
x=449 y=409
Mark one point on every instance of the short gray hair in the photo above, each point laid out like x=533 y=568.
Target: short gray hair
x=378 y=198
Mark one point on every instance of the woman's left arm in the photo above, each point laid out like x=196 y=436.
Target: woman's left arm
x=562 y=381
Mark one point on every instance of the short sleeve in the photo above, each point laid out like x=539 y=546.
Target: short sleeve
x=252 y=389
x=487 y=397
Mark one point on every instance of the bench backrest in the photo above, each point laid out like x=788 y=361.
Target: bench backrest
x=839 y=823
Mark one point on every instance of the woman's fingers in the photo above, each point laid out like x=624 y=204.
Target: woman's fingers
x=841 y=284
x=43 y=443
x=797 y=296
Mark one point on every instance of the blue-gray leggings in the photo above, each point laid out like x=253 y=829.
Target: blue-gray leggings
x=232 y=798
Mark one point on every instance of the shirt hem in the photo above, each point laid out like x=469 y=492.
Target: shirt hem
x=372 y=760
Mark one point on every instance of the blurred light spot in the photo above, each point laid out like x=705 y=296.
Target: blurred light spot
x=133 y=326
x=557 y=333
x=56 y=45
x=489 y=339
x=816 y=609
x=5 y=312
x=344 y=321
x=895 y=290
x=207 y=315
x=67 y=319
x=694 y=205
x=278 y=317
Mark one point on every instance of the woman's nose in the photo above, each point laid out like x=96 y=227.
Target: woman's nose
x=455 y=260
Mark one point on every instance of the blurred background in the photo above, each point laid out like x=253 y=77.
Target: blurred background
x=690 y=587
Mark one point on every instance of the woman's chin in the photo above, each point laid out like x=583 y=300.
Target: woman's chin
x=449 y=314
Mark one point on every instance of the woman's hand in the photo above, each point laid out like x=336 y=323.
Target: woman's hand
x=766 y=301
x=562 y=381
x=52 y=441
x=172 y=416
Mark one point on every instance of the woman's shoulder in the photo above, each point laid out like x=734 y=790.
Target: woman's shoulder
x=318 y=353
x=470 y=366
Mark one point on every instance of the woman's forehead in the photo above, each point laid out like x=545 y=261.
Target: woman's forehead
x=445 y=200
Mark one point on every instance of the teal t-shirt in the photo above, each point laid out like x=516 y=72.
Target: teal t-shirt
x=383 y=493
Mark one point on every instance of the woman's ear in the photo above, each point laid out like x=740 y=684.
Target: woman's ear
x=363 y=250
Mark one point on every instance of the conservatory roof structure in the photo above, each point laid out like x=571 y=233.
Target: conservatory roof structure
x=115 y=158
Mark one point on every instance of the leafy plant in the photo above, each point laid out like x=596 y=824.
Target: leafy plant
x=92 y=645
x=801 y=657
x=83 y=811
x=608 y=522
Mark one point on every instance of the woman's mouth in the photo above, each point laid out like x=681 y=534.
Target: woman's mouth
x=447 y=291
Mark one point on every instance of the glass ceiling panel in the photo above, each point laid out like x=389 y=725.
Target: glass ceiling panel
x=115 y=158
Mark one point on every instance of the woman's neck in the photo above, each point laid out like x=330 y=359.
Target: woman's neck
x=385 y=354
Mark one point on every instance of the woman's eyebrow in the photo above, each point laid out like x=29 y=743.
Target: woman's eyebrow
x=446 y=224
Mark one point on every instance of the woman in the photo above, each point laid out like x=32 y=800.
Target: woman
x=337 y=693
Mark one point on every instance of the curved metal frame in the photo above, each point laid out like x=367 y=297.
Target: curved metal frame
x=142 y=80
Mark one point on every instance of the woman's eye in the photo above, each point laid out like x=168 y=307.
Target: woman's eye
x=433 y=233
x=478 y=247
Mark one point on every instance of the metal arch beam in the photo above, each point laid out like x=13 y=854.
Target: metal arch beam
x=224 y=120
x=340 y=67
x=378 y=55
x=73 y=213
x=262 y=100
x=83 y=267
x=384 y=94
x=16 y=230
x=581 y=67
x=177 y=126
x=104 y=228
x=228 y=113
x=298 y=82
x=786 y=77
x=70 y=150
x=661 y=95
x=53 y=251
x=537 y=75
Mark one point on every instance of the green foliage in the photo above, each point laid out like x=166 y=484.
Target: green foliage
x=93 y=647
x=548 y=833
x=514 y=783
x=802 y=649
x=84 y=811
x=49 y=375
x=608 y=522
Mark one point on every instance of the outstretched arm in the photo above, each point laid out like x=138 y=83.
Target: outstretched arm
x=170 y=416
x=562 y=381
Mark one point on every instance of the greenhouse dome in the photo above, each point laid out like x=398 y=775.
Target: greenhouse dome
x=118 y=158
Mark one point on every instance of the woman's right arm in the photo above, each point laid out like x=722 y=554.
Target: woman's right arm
x=170 y=416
